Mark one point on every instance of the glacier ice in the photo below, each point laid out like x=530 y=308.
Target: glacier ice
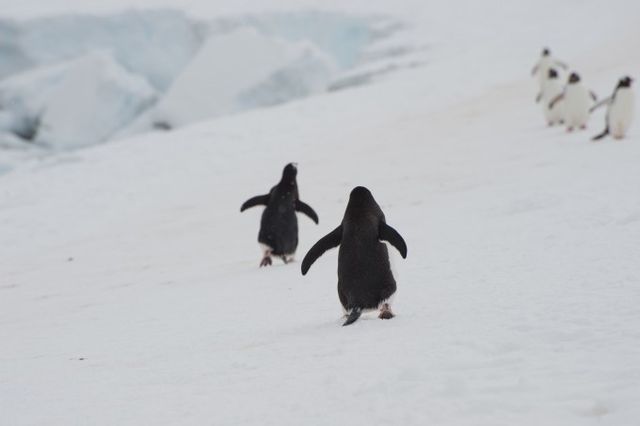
x=242 y=70
x=76 y=80
x=76 y=103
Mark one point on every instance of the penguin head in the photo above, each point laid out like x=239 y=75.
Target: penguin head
x=360 y=193
x=546 y=51
x=361 y=199
x=552 y=73
x=625 y=82
x=289 y=173
x=362 y=206
x=574 y=78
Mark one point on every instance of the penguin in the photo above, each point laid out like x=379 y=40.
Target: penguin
x=541 y=68
x=278 y=234
x=577 y=101
x=365 y=280
x=551 y=89
x=620 y=107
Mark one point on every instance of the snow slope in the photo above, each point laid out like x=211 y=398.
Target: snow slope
x=130 y=291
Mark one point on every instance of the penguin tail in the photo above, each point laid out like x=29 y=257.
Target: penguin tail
x=601 y=135
x=353 y=316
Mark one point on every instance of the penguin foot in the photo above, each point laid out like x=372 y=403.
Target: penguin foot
x=266 y=261
x=385 y=312
x=386 y=315
x=583 y=127
x=287 y=259
x=569 y=129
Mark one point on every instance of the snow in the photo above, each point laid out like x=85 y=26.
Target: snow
x=24 y=96
x=199 y=68
x=77 y=103
x=241 y=70
x=130 y=291
x=155 y=44
x=96 y=98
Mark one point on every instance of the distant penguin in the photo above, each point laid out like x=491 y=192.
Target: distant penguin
x=552 y=88
x=576 y=100
x=365 y=280
x=620 y=107
x=278 y=234
x=541 y=68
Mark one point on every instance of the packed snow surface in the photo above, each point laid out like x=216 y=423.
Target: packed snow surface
x=130 y=291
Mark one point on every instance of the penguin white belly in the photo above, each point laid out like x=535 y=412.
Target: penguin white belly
x=543 y=70
x=576 y=106
x=620 y=113
x=556 y=114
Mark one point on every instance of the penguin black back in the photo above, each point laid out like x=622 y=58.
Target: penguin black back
x=279 y=224
x=365 y=280
x=278 y=233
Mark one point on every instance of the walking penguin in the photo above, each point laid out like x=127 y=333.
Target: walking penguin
x=541 y=68
x=551 y=89
x=619 y=110
x=278 y=234
x=365 y=280
x=577 y=100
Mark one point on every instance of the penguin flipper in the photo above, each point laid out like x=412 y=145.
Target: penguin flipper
x=556 y=100
x=387 y=233
x=306 y=210
x=353 y=316
x=601 y=135
x=258 y=200
x=329 y=241
x=599 y=104
x=534 y=70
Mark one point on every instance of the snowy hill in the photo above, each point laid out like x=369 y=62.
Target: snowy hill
x=130 y=291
